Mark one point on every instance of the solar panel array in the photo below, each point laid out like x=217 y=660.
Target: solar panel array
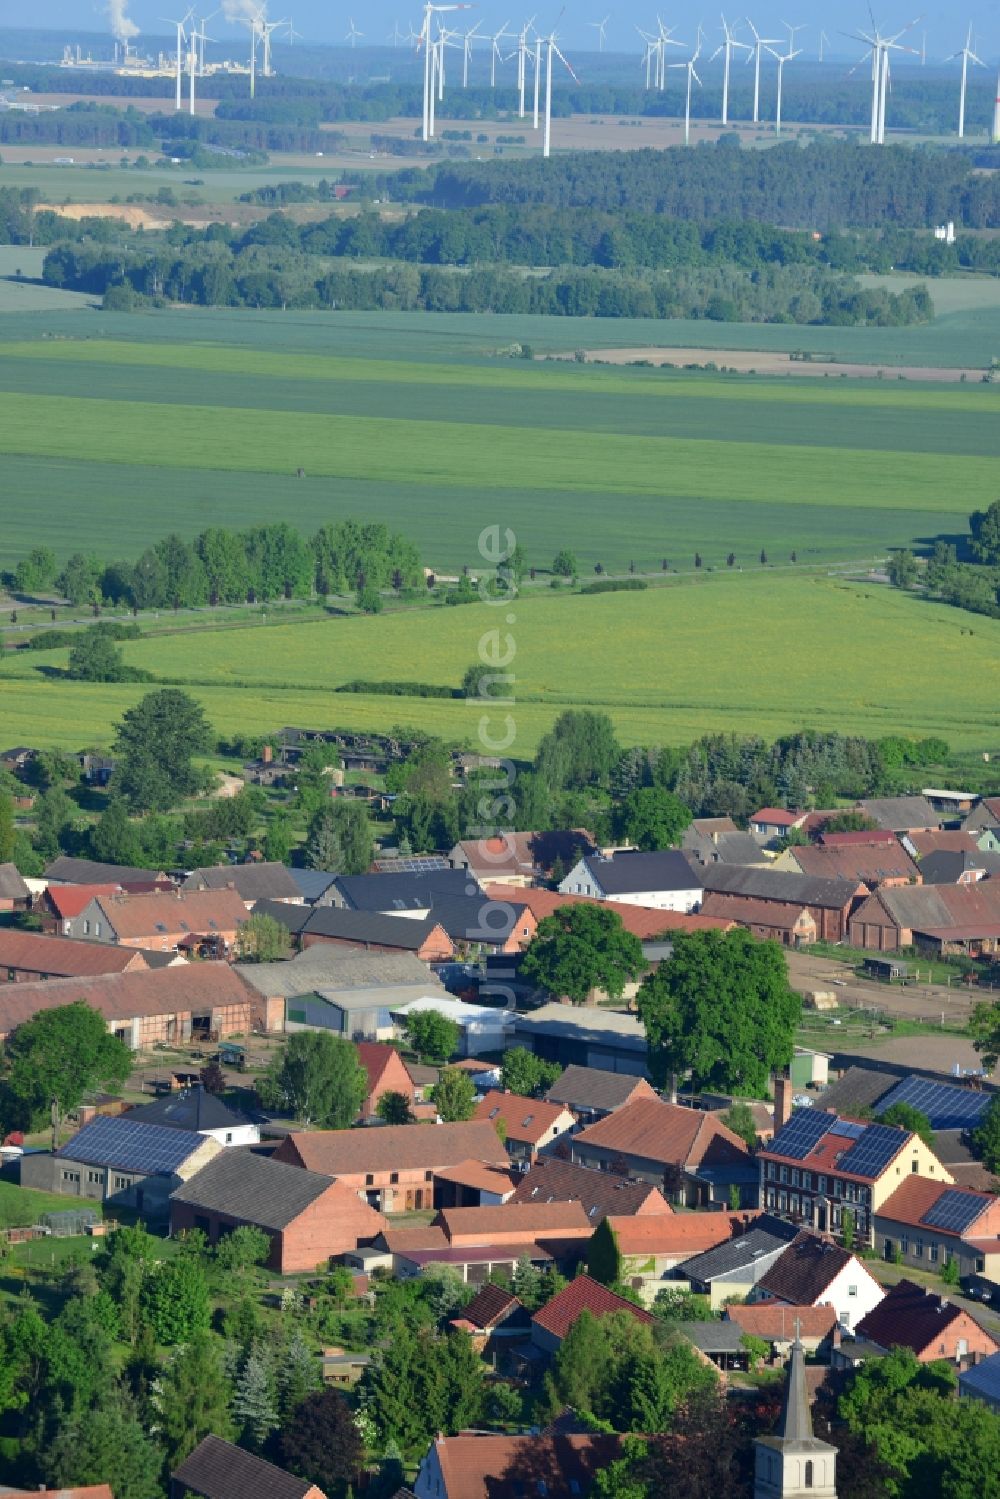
x=946 y=1106
x=954 y=1211
x=417 y=864
x=873 y=1151
x=802 y=1133
x=131 y=1146
x=847 y=1129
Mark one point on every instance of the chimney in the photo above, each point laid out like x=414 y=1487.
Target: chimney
x=267 y=753
x=836 y=1337
x=673 y=1087
x=782 y=1100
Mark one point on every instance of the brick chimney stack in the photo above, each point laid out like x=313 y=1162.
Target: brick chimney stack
x=782 y=1100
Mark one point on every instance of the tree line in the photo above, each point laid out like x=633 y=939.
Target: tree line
x=972 y=583
x=827 y=184
x=232 y=567
x=207 y=272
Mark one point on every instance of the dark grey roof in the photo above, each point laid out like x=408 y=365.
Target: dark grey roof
x=405 y=932
x=593 y=1088
x=268 y=881
x=858 y=1089
x=192 y=1109
x=253 y=1188
x=599 y=1192
x=67 y=871
x=312 y=883
x=12 y=887
x=773 y=884
x=476 y=918
x=402 y=892
x=946 y=1105
x=712 y=1337
x=900 y=813
x=723 y=848
x=982 y=1380
x=218 y=1470
x=945 y=865
x=131 y=1145
x=768 y=1235
x=292 y=918
x=627 y=873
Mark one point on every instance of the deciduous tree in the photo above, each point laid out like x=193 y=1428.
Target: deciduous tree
x=262 y=939
x=580 y=948
x=433 y=1036
x=653 y=818
x=522 y=1072
x=50 y=1061
x=454 y=1095
x=156 y=743
x=318 y=1078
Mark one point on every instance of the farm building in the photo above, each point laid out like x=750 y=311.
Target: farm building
x=14 y=893
x=252 y=882
x=69 y=871
x=828 y=902
x=653 y=1140
x=368 y=931
x=900 y=814
x=870 y=864
x=586 y=1037
x=664 y=880
x=482 y=1028
x=163 y=922
x=518 y=860
x=121 y=1163
x=530 y=1124
x=27 y=957
x=182 y=1003
x=218 y=1470
x=591 y=1094
x=308 y=1217
x=910 y=1316
x=350 y=992
x=387 y=1073
x=599 y=1192
x=194 y=1109
x=936 y=919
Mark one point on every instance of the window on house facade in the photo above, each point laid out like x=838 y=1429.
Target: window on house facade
x=86 y=928
x=933 y=1253
x=94 y=1177
x=795 y=1177
x=918 y=1248
x=394 y=1178
x=904 y=1244
x=821 y=1183
x=71 y=1176
x=784 y=1174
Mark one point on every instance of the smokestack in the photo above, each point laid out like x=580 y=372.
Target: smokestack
x=782 y=1100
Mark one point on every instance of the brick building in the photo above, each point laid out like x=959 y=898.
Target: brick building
x=308 y=1217
x=693 y=1157
x=828 y=901
x=552 y=1322
x=27 y=957
x=928 y=1223
x=932 y=1327
x=529 y=1124
x=163 y=921
x=387 y=1073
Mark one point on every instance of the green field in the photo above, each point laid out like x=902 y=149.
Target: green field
x=168 y=420
x=758 y=652
x=98 y=184
x=22 y=1207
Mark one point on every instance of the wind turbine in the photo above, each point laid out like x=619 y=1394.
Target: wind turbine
x=430 y=47
x=181 y=37
x=782 y=58
x=522 y=64
x=467 y=52
x=550 y=44
x=879 y=48
x=266 y=28
x=967 y=55
x=760 y=44
x=495 y=54
x=192 y=61
x=729 y=46
x=824 y=42
x=691 y=74
x=600 y=27
x=352 y=32
x=255 y=21
x=395 y=35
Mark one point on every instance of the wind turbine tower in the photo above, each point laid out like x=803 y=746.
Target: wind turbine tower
x=691 y=75
x=729 y=46
x=600 y=27
x=550 y=45
x=760 y=44
x=782 y=58
x=967 y=55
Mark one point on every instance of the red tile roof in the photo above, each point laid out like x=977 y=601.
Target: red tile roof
x=584 y=1295
x=69 y=900
x=747 y=912
x=123 y=996
x=375 y=1057
x=908 y=1316
x=642 y=921
x=526 y=1219
x=391 y=1147
x=872 y=862
x=198 y=912
x=490 y=1305
x=62 y=957
x=478 y=1176
x=917 y=1196
x=490 y=1467
x=778 y=1322
x=529 y=1121
x=682 y=1234
x=872 y=836
x=665 y=1133
x=777 y=817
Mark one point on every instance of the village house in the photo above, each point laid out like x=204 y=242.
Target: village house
x=734 y=1267
x=938 y=920
x=777 y=1324
x=496 y=1322
x=14 y=893
x=393 y=1168
x=692 y=1156
x=387 y=1073
x=27 y=957
x=501 y=1467
x=368 y=931
x=187 y=1002
x=717 y=840
x=530 y=1125
x=162 y=922
x=482 y=1242
x=932 y=1327
x=828 y=902
x=600 y=1192
x=819 y=1167
x=663 y=879
x=58 y=905
x=653 y=1245
x=769 y=921
x=958 y=867
x=772 y=823
x=308 y=1218
x=66 y=870
x=900 y=814
x=647 y=923
x=551 y=1323
x=518 y=860
x=813 y=1272
x=591 y=1094
x=255 y=881
x=476 y=924
x=204 y=1113
x=216 y=1469
x=121 y=1163
x=928 y=1224
x=391 y=894
x=872 y=865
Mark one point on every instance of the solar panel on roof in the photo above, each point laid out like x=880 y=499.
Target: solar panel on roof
x=802 y=1133
x=953 y=1210
x=946 y=1106
x=130 y=1145
x=878 y=1144
x=847 y=1129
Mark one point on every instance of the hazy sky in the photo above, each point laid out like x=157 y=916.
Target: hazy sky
x=321 y=21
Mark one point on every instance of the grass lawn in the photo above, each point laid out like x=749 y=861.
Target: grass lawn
x=21 y=1207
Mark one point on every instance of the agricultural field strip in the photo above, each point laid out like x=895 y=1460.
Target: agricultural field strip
x=452 y=453
x=643 y=657
x=964 y=431
x=508 y=375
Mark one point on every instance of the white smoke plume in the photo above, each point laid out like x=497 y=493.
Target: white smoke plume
x=241 y=10
x=121 y=27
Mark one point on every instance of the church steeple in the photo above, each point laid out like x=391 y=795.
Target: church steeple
x=793 y=1464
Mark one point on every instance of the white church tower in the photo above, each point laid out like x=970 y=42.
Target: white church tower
x=793 y=1464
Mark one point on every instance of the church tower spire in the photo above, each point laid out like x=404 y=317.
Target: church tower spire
x=793 y=1464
